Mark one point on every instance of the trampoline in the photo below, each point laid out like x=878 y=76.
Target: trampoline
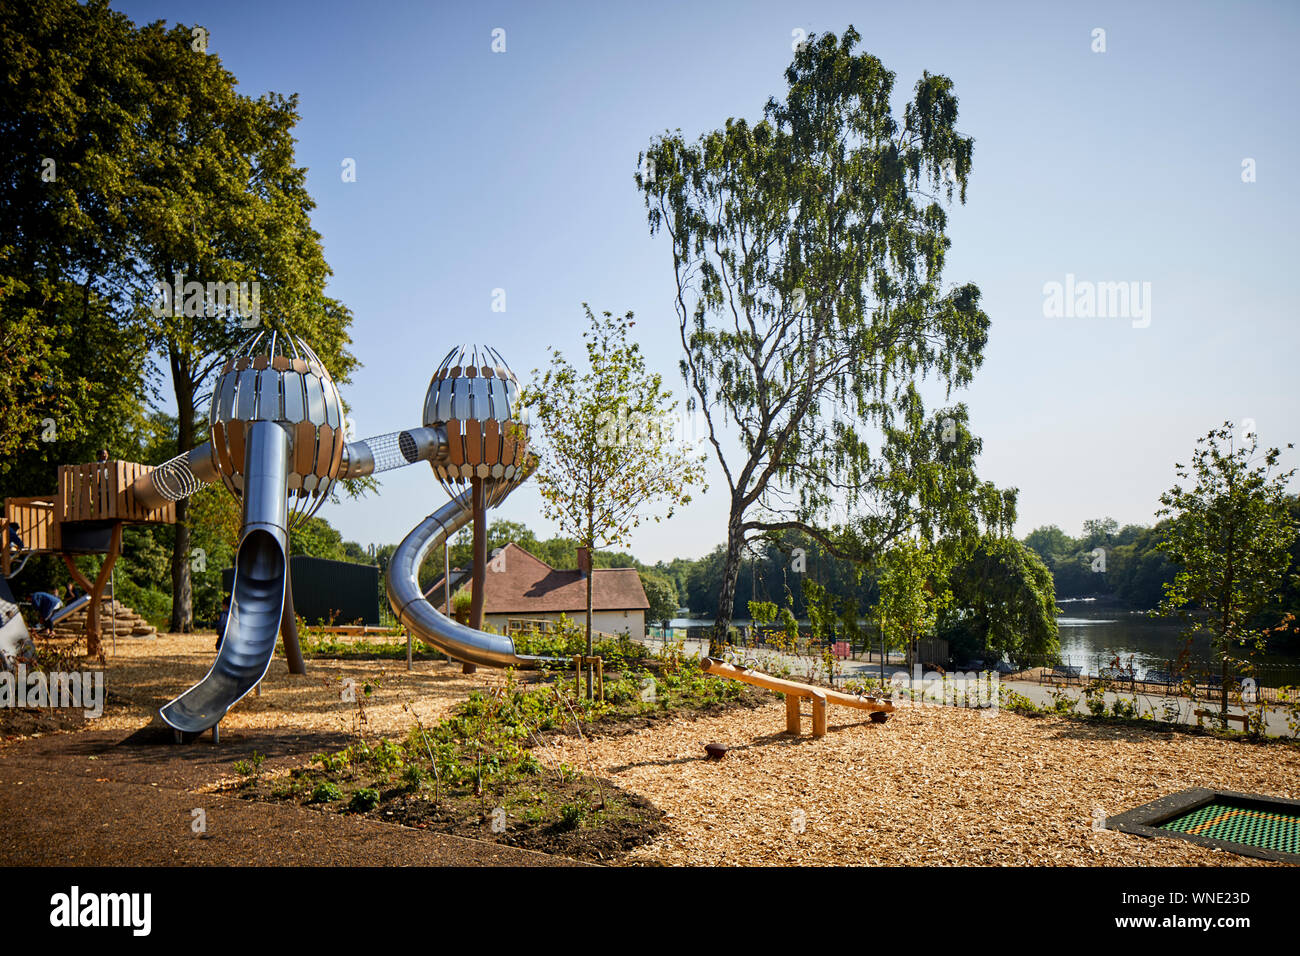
x=1245 y=823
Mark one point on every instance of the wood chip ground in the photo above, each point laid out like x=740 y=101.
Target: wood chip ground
x=932 y=786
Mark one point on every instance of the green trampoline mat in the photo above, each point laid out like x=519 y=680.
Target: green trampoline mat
x=1234 y=823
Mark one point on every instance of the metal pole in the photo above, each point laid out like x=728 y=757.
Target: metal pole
x=446 y=571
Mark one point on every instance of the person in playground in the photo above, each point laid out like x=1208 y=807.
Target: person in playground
x=222 y=618
x=45 y=604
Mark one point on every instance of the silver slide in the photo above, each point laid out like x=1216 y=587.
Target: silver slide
x=15 y=642
x=423 y=619
x=258 y=599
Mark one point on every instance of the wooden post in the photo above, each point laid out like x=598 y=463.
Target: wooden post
x=792 y=713
x=600 y=677
x=819 y=714
x=289 y=627
x=95 y=589
x=478 y=572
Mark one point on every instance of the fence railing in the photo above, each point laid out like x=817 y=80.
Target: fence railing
x=1202 y=677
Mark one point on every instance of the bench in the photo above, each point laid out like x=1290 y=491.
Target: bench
x=1202 y=712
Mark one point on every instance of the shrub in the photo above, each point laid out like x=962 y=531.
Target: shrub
x=363 y=800
x=326 y=792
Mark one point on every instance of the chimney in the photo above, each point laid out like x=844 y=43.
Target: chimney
x=584 y=561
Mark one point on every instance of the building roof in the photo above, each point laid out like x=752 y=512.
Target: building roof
x=519 y=583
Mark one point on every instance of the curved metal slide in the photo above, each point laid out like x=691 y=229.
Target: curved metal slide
x=423 y=619
x=257 y=603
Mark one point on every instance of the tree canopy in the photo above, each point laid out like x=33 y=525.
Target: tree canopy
x=1230 y=534
x=808 y=252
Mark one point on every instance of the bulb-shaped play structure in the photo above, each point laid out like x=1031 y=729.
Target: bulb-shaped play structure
x=276 y=422
x=278 y=444
x=473 y=401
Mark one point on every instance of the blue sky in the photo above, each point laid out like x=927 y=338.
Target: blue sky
x=478 y=170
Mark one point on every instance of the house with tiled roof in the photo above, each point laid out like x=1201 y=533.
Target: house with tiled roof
x=520 y=586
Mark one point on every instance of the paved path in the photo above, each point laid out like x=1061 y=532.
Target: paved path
x=1275 y=718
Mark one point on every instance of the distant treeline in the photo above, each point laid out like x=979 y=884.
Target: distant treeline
x=1127 y=566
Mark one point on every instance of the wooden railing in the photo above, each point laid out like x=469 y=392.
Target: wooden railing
x=37 y=521
x=101 y=491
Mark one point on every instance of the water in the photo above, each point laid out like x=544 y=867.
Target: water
x=1093 y=634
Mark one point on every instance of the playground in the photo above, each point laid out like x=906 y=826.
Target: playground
x=929 y=785
x=299 y=746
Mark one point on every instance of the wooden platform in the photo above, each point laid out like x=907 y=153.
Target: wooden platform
x=85 y=514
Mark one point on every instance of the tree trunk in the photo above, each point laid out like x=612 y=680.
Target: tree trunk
x=289 y=627
x=727 y=596
x=590 y=575
x=182 y=621
x=479 y=565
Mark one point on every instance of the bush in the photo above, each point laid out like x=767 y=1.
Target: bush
x=363 y=800
x=326 y=792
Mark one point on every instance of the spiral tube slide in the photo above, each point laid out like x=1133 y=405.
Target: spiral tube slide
x=423 y=619
x=258 y=600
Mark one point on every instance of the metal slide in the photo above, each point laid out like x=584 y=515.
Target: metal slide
x=258 y=600
x=67 y=609
x=15 y=642
x=423 y=619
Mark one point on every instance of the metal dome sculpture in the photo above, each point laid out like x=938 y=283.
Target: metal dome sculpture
x=474 y=396
x=274 y=377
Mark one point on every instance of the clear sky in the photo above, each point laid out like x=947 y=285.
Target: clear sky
x=478 y=170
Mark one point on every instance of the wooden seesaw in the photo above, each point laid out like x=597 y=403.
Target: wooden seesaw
x=794 y=692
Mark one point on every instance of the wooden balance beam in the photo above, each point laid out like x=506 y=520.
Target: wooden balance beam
x=794 y=692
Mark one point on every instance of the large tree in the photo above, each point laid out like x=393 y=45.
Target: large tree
x=609 y=455
x=1003 y=604
x=135 y=159
x=1230 y=535
x=220 y=201
x=808 y=252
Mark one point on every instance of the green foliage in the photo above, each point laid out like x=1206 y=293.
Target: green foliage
x=662 y=595
x=808 y=252
x=333 y=763
x=363 y=800
x=606 y=446
x=572 y=814
x=317 y=539
x=1231 y=536
x=1094 y=697
x=251 y=767
x=162 y=167
x=1018 y=703
x=912 y=593
x=326 y=792
x=1003 y=604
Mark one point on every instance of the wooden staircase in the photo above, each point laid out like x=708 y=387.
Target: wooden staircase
x=124 y=620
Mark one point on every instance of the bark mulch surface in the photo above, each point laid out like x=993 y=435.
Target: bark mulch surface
x=930 y=786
